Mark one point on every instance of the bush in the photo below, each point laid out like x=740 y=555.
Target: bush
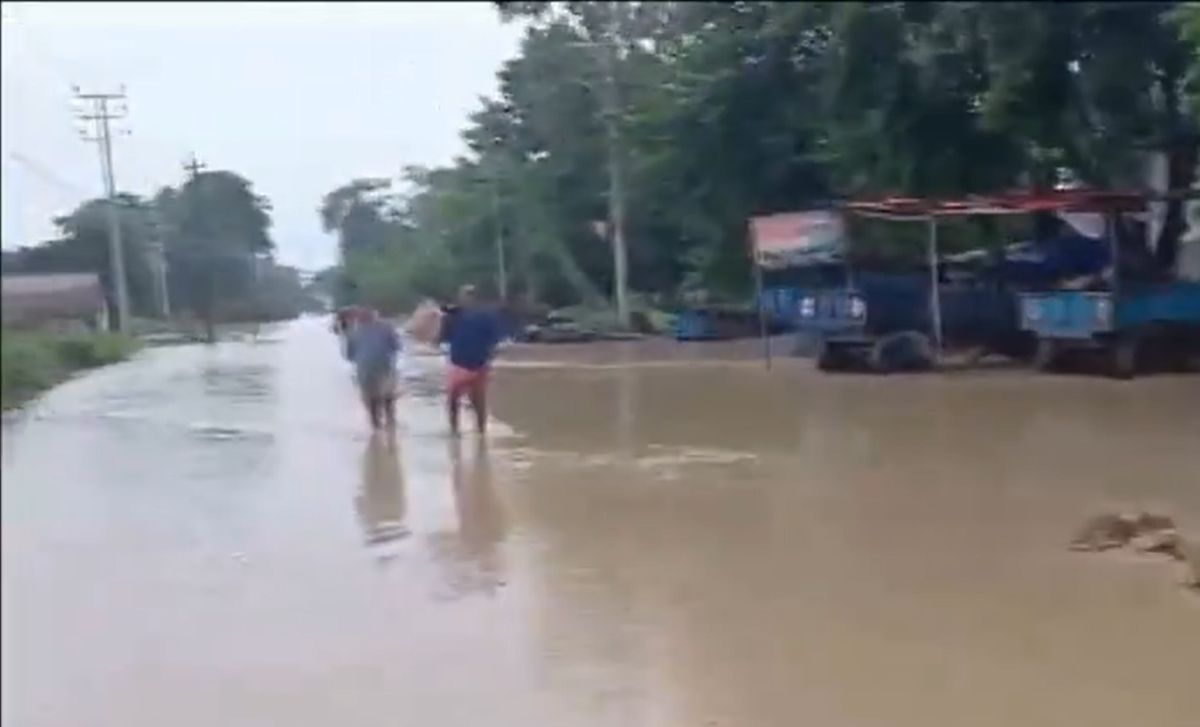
x=28 y=366
x=82 y=351
x=35 y=361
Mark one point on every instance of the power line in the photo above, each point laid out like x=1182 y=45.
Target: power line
x=38 y=52
x=42 y=171
x=99 y=112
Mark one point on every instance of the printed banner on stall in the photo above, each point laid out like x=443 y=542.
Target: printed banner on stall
x=797 y=238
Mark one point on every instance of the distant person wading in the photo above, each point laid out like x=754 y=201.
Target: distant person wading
x=472 y=334
x=374 y=345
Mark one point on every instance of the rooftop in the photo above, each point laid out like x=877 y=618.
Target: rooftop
x=59 y=295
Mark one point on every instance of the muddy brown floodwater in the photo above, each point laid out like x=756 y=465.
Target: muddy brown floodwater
x=208 y=536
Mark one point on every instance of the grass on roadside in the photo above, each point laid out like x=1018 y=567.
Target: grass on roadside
x=33 y=361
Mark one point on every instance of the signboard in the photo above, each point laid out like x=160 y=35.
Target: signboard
x=797 y=238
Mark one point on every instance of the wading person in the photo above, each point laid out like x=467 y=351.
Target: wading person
x=374 y=346
x=472 y=334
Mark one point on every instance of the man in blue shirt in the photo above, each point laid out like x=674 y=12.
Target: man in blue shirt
x=374 y=346
x=472 y=334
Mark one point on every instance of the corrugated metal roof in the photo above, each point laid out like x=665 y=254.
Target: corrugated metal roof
x=32 y=297
x=48 y=283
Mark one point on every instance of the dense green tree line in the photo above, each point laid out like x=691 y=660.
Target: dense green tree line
x=727 y=110
x=214 y=233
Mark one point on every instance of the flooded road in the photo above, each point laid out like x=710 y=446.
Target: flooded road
x=209 y=536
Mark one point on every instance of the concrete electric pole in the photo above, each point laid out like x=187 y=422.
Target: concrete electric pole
x=99 y=112
x=616 y=187
x=501 y=268
x=498 y=221
x=608 y=48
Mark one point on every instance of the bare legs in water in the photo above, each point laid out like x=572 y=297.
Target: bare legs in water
x=476 y=394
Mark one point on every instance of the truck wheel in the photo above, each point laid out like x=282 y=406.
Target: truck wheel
x=1124 y=354
x=1022 y=347
x=1045 y=358
x=831 y=358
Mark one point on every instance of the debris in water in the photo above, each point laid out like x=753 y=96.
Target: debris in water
x=1161 y=541
x=1145 y=532
x=1105 y=531
x=1110 y=530
x=1188 y=551
x=1149 y=522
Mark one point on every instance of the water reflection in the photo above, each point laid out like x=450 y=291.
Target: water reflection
x=380 y=501
x=239 y=382
x=626 y=418
x=472 y=554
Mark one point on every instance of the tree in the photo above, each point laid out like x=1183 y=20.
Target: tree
x=218 y=229
x=215 y=230
x=277 y=294
x=1186 y=17
x=730 y=110
x=1091 y=87
x=724 y=128
x=357 y=213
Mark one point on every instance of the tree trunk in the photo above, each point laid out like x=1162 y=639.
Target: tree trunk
x=1183 y=145
x=1182 y=157
x=209 y=313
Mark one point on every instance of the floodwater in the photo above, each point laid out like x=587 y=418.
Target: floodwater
x=209 y=536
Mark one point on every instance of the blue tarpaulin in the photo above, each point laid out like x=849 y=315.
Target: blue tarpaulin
x=1047 y=262
x=1064 y=257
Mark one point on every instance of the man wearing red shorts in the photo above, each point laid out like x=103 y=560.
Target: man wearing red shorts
x=472 y=333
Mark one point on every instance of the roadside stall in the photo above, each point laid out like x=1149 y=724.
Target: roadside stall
x=1132 y=314
x=1098 y=295
x=884 y=317
x=1077 y=288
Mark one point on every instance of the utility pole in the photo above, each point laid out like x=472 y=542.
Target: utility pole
x=609 y=52
x=193 y=167
x=502 y=271
x=100 y=113
x=616 y=203
x=498 y=223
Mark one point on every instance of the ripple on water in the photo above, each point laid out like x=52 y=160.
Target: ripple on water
x=225 y=433
x=660 y=461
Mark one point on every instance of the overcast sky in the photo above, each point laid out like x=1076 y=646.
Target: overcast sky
x=298 y=98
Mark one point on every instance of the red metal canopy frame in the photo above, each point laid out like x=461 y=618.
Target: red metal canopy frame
x=1011 y=203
